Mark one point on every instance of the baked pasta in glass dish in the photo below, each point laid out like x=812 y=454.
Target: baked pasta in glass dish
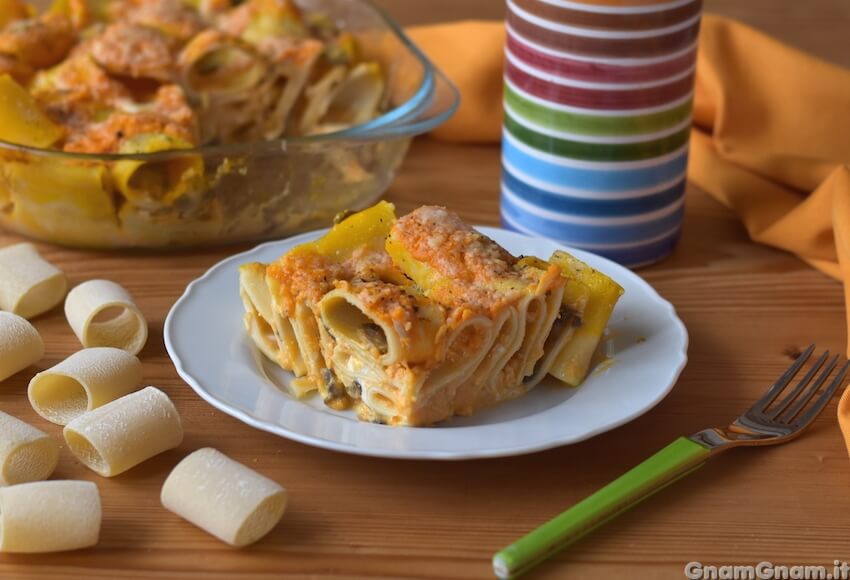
x=147 y=123
x=414 y=320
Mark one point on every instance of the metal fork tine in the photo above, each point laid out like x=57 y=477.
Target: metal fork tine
x=788 y=399
x=783 y=381
x=811 y=414
x=804 y=399
x=796 y=410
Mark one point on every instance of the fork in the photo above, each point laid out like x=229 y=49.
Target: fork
x=780 y=415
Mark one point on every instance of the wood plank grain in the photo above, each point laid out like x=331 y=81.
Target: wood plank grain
x=748 y=309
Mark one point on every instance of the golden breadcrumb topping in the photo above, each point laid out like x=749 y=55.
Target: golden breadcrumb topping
x=175 y=19
x=39 y=42
x=135 y=51
x=476 y=272
x=167 y=113
x=303 y=277
x=441 y=239
x=306 y=276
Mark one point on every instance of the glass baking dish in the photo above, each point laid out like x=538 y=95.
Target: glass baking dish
x=237 y=192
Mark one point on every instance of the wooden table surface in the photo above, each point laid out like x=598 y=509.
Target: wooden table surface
x=748 y=309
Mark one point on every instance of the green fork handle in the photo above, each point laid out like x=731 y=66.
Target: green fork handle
x=676 y=460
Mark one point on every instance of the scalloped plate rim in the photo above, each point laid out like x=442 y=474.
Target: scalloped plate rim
x=678 y=361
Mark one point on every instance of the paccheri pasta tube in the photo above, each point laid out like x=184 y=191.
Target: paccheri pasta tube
x=29 y=285
x=49 y=516
x=119 y=435
x=86 y=380
x=223 y=497
x=23 y=120
x=26 y=454
x=88 y=309
x=20 y=345
x=153 y=184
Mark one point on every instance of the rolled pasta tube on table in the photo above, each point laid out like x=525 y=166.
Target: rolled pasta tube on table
x=119 y=435
x=29 y=284
x=20 y=344
x=86 y=380
x=26 y=454
x=223 y=497
x=49 y=516
x=97 y=298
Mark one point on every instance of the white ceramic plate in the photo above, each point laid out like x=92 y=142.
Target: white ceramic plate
x=208 y=344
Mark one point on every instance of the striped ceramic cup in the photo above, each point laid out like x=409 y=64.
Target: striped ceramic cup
x=598 y=100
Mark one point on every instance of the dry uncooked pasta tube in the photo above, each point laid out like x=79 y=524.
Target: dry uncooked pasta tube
x=119 y=435
x=49 y=516
x=86 y=380
x=26 y=454
x=223 y=497
x=20 y=344
x=29 y=285
x=88 y=308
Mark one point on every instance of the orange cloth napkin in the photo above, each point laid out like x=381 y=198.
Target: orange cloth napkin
x=771 y=137
x=470 y=53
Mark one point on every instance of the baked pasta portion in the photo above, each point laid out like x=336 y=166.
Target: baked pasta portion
x=137 y=76
x=411 y=321
x=128 y=103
